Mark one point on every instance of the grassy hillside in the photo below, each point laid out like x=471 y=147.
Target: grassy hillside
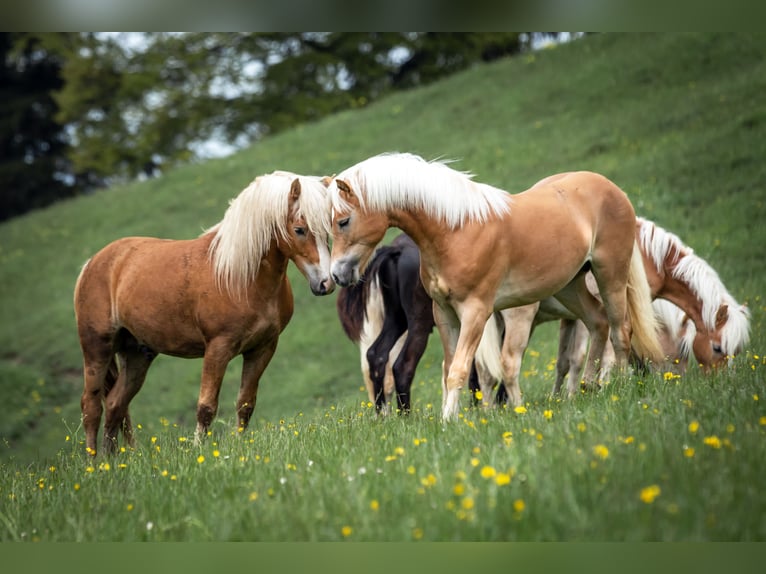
x=678 y=121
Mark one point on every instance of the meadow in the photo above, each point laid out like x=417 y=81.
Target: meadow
x=678 y=121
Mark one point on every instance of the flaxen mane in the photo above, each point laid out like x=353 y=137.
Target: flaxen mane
x=403 y=180
x=703 y=281
x=254 y=217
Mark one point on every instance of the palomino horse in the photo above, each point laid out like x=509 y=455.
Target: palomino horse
x=388 y=314
x=484 y=250
x=223 y=294
x=707 y=321
x=704 y=317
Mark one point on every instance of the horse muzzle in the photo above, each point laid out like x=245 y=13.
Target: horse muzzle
x=345 y=272
x=322 y=287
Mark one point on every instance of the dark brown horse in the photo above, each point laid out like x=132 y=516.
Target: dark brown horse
x=389 y=315
x=223 y=294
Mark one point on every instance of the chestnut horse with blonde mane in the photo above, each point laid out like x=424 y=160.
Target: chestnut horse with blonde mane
x=223 y=294
x=706 y=322
x=483 y=249
x=695 y=311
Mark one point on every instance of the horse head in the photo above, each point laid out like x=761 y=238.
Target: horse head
x=719 y=345
x=308 y=245
x=355 y=231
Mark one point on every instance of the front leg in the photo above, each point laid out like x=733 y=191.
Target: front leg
x=473 y=317
x=217 y=356
x=254 y=364
x=448 y=325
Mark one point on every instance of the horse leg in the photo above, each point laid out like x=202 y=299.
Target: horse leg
x=253 y=365
x=127 y=426
x=448 y=326
x=97 y=359
x=378 y=357
x=217 y=356
x=407 y=362
x=473 y=318
x=576 y=297
x=519 y=325
x=573 y=346
x=134 y=363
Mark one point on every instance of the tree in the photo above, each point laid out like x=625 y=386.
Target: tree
x=33 y=164
x=89 y=110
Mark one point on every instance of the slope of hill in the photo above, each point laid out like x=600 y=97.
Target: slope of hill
x=678 y=121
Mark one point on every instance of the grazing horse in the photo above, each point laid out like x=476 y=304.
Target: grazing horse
x=483 y=249
x=703 y=318
x=223 y=294
x=389 y=315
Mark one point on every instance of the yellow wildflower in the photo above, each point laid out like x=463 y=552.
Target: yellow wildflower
x=374 y=505
x=502 y=478
x=346 y=531
x=548 y=414
x=694 y=427
x=518 y=505
x=712 y=441
x=520 y=410
x=488 y=472
x=601 y=451
x=650 y=493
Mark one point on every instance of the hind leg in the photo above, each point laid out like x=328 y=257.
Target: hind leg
x=378 y=357
x=134 y=363
x=519 y=326
x=98 y=367
x=576 y=297
x=253 y=365
x=573 y=347
x=127 y=426
x=407 y=363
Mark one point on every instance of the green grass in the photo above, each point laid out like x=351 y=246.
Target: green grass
x=678 y=121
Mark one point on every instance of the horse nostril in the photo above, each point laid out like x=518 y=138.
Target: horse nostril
x=335 y=278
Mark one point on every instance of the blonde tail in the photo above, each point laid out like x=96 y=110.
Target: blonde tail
x=643 y=322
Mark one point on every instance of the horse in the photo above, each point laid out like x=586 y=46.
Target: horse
x=388 y=315
x=483 y=249
x=222 y=294
x=702 y=318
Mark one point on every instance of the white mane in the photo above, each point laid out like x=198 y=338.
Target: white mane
x=702 y=280
x=403 y=181
x=255 y=217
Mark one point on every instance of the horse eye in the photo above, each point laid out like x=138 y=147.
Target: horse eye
x=343 y=222
x=299 y=231
x=717 y=348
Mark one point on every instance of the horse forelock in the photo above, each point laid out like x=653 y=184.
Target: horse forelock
x=735 y=334
x=253 y=218
x=407 y=181
x=314 y=205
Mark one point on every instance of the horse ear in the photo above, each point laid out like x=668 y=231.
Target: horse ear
x=345 y=189
x=327 y=180
x=295 y=189
x=721 y=315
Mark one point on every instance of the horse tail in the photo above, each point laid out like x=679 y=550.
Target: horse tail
x=646 y=341
x=488 y=353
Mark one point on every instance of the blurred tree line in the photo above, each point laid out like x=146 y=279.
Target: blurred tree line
x=84 y=110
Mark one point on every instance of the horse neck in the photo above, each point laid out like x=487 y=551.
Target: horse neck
x=425 y=231
x=272 y=270
x=678 y=291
